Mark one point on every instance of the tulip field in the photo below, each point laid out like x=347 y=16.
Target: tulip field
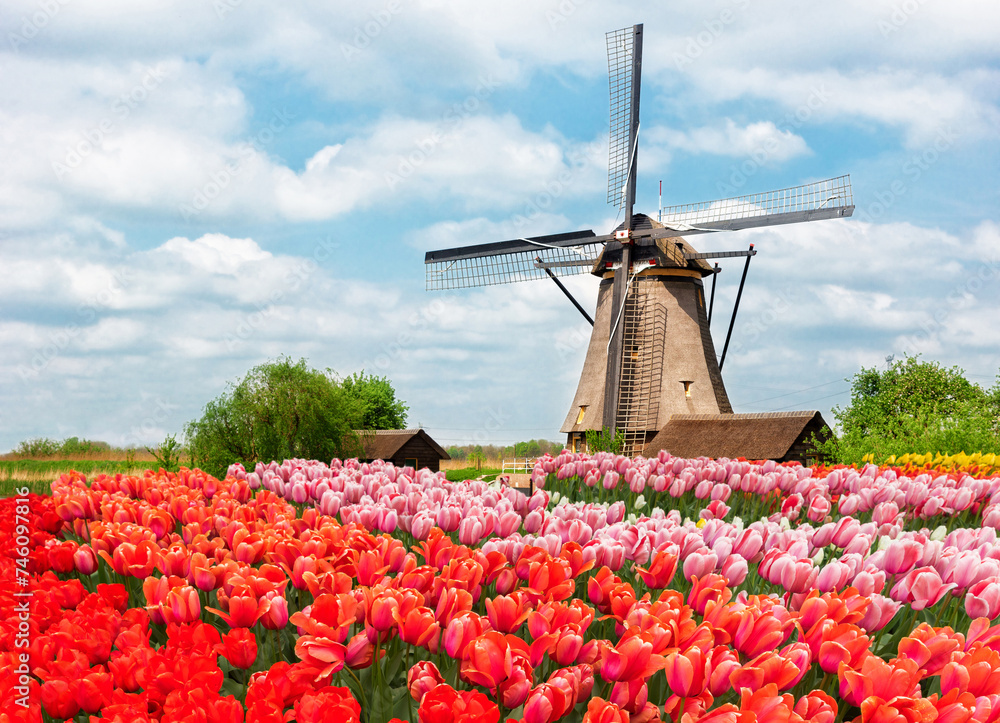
x=621 y=590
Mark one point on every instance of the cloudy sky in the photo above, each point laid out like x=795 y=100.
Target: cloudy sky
x=190 y=188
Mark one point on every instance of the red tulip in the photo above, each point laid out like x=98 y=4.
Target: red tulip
x=661 y=570
x=817 y=707
x=239 y=647
x=244 y=609
x=445 y=705
x=601 y=711
x=632 y=658
x=687 y=672
x=931 y=648
x=506 y=613
x=423 y=678
x=59 y=698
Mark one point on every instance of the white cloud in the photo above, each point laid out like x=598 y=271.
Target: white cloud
x=762 y=141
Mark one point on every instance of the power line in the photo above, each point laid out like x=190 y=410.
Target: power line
x=768 y=399
x=828 y=396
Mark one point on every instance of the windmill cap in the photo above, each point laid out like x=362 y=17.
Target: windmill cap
x=665 y=253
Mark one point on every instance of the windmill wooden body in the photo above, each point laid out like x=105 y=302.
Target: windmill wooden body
x=651 y=354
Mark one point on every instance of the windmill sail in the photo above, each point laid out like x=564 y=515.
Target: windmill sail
x=832 y=198
x=507 y=262
x=621 y=52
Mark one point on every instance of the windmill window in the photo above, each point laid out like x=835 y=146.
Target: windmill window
x=687 y=389
x=579 y=417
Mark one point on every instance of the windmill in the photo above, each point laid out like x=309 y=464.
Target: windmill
x=651 y=353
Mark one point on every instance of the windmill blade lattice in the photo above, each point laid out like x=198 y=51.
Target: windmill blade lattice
x=508 y=262
x=832 y=198
x=621 y=47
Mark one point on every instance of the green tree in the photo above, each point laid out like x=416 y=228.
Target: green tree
x=279 y=410
x=476 y=457
x=604 y=441
x=379 y=407
x=915 y=406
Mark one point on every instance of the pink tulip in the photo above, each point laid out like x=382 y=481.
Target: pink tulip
x=833 y=576
x=868 y=582
x=819 y=508
x=791 y=507
x=845 y=530
x=880 y=611
x=699 y=564
x=748 y=545
x=734 y=569
x=849 y=504
x=921 y=588
x=885 y=513
x=471 y=530
x=983 y=600
x=901 y=556
x=721 y=491
x=962 y=569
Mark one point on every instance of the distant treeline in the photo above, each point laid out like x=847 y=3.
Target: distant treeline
x=531 y=448
x=74 y=448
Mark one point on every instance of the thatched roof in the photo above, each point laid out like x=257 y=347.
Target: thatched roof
x=385 y=443
x=767 y=435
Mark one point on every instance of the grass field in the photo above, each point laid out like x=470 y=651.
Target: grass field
x=38 y=474
x=459 y=475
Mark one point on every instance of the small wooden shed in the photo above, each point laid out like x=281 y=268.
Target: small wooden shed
x=781 y=436
x=403 y=447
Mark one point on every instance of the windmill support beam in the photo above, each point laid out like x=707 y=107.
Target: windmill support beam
x=736 y=308
x=568 y=295
x=612 y=382
x=711 y=304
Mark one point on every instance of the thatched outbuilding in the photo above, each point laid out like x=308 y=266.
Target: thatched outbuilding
x=403 y=447
x=781 y=436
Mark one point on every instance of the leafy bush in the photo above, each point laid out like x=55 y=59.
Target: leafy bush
x=279 y=410
x=604 y=441
x=915 y=406
x=377 y=399
x=70 y=448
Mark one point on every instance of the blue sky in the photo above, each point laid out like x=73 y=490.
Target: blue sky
x=188 y=189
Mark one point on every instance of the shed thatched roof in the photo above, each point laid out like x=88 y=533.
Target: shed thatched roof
x=385 y=443
x=767 y=435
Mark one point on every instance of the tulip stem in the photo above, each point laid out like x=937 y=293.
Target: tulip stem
x=409 y=698
x=680 y=711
